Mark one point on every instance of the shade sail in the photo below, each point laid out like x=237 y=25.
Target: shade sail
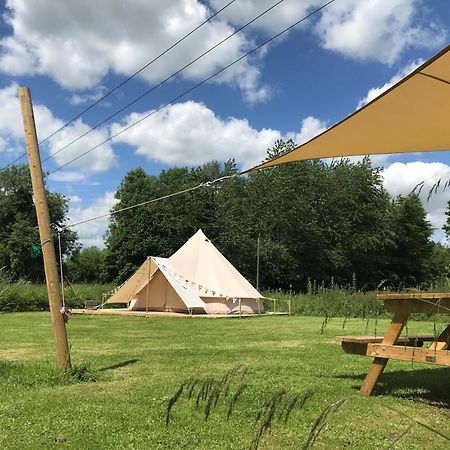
x=411 y=116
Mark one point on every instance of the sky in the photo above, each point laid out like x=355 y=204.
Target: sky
x=71 y=53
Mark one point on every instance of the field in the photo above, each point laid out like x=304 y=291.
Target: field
x=128 y=370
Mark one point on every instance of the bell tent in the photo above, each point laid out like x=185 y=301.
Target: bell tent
x=195 y=279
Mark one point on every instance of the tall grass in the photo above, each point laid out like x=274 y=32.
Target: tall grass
x=328 y=302
x=23 y=296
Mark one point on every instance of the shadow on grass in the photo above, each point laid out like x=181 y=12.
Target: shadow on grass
x=431 y=386
x=119 y=365
x=43 y=374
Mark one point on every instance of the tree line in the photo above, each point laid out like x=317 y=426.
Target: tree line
x=331 y=222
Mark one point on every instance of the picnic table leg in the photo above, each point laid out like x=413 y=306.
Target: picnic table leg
x=443 y=341
x=378 y=365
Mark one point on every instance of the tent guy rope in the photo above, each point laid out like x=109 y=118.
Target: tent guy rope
x=147 y=202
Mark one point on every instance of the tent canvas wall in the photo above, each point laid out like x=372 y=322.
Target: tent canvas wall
x=197 y=278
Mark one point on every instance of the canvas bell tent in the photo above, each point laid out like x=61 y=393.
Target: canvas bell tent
x=195 y=279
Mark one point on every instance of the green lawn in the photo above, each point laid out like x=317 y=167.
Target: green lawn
x=140 y=363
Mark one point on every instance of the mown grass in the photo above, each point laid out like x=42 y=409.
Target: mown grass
x=137 y=365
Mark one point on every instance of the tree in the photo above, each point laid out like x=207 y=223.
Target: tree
x=86 y=266
x=446 y=226
x=413 y=247
x=19 y=236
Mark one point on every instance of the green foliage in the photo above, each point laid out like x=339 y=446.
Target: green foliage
x=85 y=266
x=24 y=296
x=315 y=220
x=18 y=225
x=413 y=248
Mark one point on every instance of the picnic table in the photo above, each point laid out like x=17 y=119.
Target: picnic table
x=404 y=348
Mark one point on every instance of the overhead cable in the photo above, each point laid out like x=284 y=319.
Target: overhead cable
x=173 y=75
x=118 y=86
x=201 y=83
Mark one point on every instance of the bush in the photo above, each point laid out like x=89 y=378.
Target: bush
x=24 y=296
x=333 y=302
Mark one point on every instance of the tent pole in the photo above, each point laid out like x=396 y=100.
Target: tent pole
x=259 y=306
x=240 y=311
x=257 y=264
x=148 y=286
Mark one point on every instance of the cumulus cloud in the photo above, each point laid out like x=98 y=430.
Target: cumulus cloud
x=190 y=133
x=377 y=91
x=378 y=30
x=63 y=39
x=91 y=233
x=280 y=17
x=402 y=178
x=89 y=97
x=12 y=138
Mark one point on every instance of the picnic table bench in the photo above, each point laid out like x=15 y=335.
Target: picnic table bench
x=403 y=348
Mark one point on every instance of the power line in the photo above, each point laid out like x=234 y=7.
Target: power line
x=194 y=87
x=149 y=91
x=118 y=86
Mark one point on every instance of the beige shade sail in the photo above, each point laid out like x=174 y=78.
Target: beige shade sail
x=411 y=116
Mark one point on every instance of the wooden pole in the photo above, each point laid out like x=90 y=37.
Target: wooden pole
x=148 y=286
x=257 y=264
x=289 y=306
x=43 y=218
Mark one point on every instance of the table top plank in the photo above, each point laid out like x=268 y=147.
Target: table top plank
x=415 y=295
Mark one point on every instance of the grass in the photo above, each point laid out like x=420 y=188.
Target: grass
x=287 y=382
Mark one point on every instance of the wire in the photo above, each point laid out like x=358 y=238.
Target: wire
x=238 y=30
x=194 y=87
x=118 y=86
x=147 y=202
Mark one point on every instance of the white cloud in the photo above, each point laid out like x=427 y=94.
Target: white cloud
x=89 y=97
x=377 y=91
x=378 y=30
x=91 y=233
x=190 y=133
x=274 y=21
x=78 y=43
x=12 y=137
x=310 y=128
x=401 y=179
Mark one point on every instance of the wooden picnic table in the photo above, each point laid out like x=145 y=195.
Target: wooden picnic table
x=403 y=348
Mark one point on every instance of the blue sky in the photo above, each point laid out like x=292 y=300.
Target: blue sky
x=70 y=53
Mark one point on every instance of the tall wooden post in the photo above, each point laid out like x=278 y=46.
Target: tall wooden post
x=48 y=248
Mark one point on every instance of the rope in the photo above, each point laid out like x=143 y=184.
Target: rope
x=147 y=202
